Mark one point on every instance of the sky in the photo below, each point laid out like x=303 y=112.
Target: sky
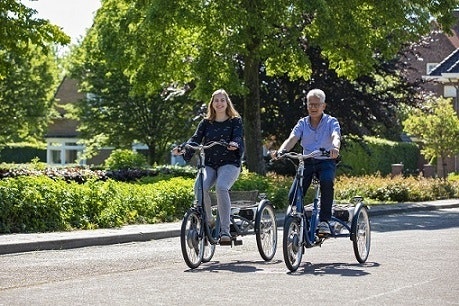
x=73 y=16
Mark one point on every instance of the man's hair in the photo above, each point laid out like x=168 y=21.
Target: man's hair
x=316 y=93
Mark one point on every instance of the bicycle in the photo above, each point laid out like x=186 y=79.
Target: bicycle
x=300 y=226
x=198 y=240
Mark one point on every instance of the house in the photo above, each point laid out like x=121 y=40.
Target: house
x=62 y=141
x=437 y=63
x=446 y=76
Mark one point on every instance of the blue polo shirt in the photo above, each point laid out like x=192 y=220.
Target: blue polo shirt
x=315 y=138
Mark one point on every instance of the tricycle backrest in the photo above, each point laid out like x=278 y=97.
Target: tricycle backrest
x=239 y=197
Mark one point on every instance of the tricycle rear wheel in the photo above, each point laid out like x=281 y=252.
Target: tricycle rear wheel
x=266 y=230
x=361 y=233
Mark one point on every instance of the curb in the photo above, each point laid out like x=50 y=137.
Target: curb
x=79 y=242
x=19 y=243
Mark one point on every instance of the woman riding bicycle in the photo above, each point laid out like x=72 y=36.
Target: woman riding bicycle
x=317 y=130
x=223 y=164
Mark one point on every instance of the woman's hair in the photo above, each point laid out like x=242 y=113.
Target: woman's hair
x=230 y=110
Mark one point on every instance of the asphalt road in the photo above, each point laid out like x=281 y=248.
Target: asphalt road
x=413 y=261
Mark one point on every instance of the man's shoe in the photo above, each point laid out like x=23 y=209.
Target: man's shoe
x=323 y=228
x=225 y=239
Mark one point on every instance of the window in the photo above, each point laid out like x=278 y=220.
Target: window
x=55 y=156
x=63 y=151
x=430 y=67
x=449 y=91
x=71 y=156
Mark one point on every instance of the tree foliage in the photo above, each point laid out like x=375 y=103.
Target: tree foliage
x=28 y=71
x=437 y=126
x=368 y=105
x=213 y=44
x=353 y=36
x=123 y=108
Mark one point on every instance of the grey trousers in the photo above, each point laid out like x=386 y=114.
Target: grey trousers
x=223 y=179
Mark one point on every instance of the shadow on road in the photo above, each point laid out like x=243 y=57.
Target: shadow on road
x=339 y=268
x=421 y=220
x=235 y=266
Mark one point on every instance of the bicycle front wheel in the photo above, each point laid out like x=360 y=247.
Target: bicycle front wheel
x=361 y=233
x=209 y=251
x=266 y=231
x=292 y=246
x=191 y=239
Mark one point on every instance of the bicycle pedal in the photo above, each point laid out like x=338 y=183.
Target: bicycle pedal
x=237 y=242
x=230 y=243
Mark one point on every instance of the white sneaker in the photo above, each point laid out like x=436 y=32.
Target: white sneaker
x=323 y=228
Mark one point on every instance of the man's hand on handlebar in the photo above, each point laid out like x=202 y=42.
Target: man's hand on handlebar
x=277 y=154
x=334 y=153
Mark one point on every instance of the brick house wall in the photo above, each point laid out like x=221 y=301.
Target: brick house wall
x=67 y=92
x=62 y=135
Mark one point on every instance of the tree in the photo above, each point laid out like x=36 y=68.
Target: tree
x=28 y=71
x=213 y=44
x=437 y=127
x=368 y=105
x=211 y=41
x=120 y=111
x=27 y=94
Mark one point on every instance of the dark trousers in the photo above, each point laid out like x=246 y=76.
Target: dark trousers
x=325 y=171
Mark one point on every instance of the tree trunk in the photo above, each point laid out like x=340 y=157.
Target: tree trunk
x=252 y=122
x=151 y=153
x=443 y=165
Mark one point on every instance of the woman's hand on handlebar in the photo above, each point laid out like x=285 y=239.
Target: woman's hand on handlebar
x=232 y=146
x=178 y=150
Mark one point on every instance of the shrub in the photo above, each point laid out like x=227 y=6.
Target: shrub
x=122 y=159
x=40 y=203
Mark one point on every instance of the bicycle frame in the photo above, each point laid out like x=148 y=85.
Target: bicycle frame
x=300 y=231
x=308 y=226
x=205 y=230
x=198 y=240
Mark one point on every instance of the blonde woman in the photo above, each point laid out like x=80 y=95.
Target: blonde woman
x=223 y=164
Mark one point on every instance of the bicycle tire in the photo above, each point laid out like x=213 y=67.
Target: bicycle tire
x=292 y=247
x=191 y=239
x=361 y=233
x=266 y=230
x=209 y=251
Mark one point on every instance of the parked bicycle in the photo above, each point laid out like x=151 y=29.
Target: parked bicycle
x=198 y=238
x=300 y=227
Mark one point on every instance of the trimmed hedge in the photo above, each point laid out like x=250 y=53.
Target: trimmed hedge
x=22 y=154
x=372 y=155
x=39 y=204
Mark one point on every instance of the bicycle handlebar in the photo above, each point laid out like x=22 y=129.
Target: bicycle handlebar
x=200 y=147
x=299 y=156
x=196 y=146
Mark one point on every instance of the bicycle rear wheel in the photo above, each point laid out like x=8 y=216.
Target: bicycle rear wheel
x=292 y=246
x=266 y=230
x=191 y=239
x=361 y=233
